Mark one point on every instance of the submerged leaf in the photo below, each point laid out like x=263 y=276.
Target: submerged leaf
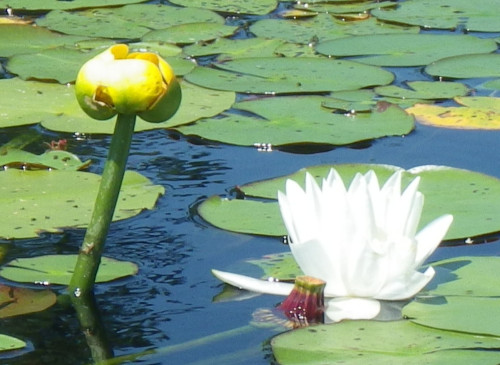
x=18 y=301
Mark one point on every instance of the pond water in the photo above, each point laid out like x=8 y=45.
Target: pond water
x=170 y=301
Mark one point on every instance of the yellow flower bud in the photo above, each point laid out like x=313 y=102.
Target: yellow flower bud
x=117 y=81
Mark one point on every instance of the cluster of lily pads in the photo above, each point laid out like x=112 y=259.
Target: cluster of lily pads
x=279 y=73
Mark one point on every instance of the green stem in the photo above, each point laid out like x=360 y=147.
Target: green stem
x=89 y=258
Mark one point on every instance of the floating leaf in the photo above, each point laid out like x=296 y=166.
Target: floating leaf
x=473 y=276
x=18 y=301
x=466 y=66
x=60 y=160
x=373 y=342
x=256 y=7
x=58 y=4
x=21 y=39
x=271 y=75
x=31 y=102
x=320 y=28
x=8 y=343
x=58 y=269
x=190 y=33
x=424 y=90
x=36 y=201
x=60 y=64
x=444 y=14
x=281 y=266
x=342 y=7
x=477 y=315
x=405 y=49
x=475 y=213
x=301 y=119
x=235 y=48
x=197 y=102
x=479 y=113
x=132 y=21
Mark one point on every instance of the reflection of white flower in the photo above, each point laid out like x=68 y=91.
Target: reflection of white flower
x=362 y=241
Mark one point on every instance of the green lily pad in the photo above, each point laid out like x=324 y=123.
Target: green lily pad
x=444 y=14
x=342 y=7
x=235 y=48
x=37 y=201
x=299 y=119
x=477 y=113
x=256 y=7
x=22 y=39
x=8 y=343
x=424 y=90
x=58 y=269
x=18 y=301
x=477 y=315
x=281 y=266
x=466 y=66
x=473 y=276
x=372 y=342
x=475 y=213
x=271 y=75
x=61 y=64
x=57 y=4
x=322 y=27
x=405 y=49
x=191 y=33
x=51 y=159
x=130 y=22
x=197 y=103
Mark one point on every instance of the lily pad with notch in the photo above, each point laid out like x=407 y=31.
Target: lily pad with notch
x=475 y=213
x=58 y=269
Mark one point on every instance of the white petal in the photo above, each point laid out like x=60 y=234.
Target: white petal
x=406 y=287
x=338 y=309
x=429 y=238
x=252 y=284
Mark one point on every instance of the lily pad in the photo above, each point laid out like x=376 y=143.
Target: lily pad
x=60 y=64
x=37 y=201
x=472 y=276
x=52 y=159
x=405 y=49
x=235 y=48
x=255 y=7
x=444 y=14
x=322 y=27
x=18 y=301
x=8 y=343
x=197 y=103
x=475 y=213
x=466 y=66
x=271 y=75
x=131 y=22
x=191 y=33
x=477 y=315
x=424 y=90
x=300 y=119
x=477 y=113
x=57 y=4
x=58 y=269
x=22 y=39
x=373 y=342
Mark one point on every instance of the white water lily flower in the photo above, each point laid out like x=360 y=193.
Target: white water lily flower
x=361 y=241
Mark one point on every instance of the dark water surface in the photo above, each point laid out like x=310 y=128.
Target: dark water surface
x=170 y=301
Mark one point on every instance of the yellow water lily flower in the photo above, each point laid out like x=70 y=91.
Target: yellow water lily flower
x=117 y=81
